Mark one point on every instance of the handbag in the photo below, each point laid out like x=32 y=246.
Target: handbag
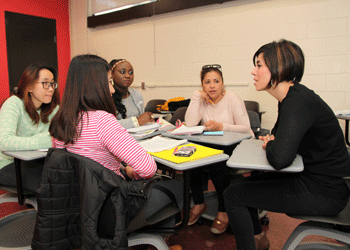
x=136 y=202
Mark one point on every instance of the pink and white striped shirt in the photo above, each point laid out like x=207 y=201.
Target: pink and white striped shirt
x=104 y=140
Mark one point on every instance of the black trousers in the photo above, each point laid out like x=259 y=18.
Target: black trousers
x=31 y=174
x=219 y=174
x=271 y=191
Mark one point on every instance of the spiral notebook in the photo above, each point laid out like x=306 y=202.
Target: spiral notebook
x=201 y=152
x=184 y=130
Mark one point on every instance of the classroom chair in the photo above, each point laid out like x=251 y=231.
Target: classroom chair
x=336 y=227
x=80 y=229
x=178 y=115
x=151 y=105
x=254 y=106
x=16 y=227
x=256 y=125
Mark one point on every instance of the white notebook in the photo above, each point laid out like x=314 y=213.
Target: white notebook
x=157 y=144
x=143 y=128
x=184 y=130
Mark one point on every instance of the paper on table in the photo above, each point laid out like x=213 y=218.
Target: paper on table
x=184 y=130
x=142 y=134
x=43 y=149
x=157 y=144
x=165 y=125
x=144 y=128
x=342 y=113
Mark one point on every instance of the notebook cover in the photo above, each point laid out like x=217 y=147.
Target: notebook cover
x=201 y=152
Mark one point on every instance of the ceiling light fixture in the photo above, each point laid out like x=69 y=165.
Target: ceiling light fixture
x=123 y=7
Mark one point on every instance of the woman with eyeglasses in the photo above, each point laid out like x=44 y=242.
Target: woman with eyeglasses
x=25 y=118
x=128 y=101
x=217 y=109
x=305 y=125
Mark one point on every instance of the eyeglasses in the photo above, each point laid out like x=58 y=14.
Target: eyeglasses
x=46 y=85
x=212 y=66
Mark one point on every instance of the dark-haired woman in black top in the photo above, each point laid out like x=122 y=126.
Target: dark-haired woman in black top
x=306 y=125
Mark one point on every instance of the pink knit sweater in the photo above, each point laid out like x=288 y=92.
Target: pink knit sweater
x=230 y=111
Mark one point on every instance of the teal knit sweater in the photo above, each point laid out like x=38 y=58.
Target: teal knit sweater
x=17 y=131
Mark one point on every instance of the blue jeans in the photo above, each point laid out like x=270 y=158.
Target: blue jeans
x=276 y=192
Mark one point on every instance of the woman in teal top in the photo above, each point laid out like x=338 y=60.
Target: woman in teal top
x=25 y=120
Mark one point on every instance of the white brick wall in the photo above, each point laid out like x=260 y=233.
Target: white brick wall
x=169 y=50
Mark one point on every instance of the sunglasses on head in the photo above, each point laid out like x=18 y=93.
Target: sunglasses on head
x=212 y=66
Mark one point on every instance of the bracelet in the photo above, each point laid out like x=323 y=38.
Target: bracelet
x=135 y=121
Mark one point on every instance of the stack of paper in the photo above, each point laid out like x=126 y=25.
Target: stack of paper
x=184 y=130
x=157 y=144
x=165 y=125
x=144 y=128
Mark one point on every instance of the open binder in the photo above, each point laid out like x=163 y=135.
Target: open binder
x=201 y=152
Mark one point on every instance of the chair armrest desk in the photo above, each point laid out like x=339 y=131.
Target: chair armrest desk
x=28 y=155
x=345 y=117
x=229 y=138
x=250 y=155
x=186 y=176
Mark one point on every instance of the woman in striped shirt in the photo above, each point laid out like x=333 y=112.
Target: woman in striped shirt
x=86 y=124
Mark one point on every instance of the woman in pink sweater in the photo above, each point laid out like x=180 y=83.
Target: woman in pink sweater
x=217 y=109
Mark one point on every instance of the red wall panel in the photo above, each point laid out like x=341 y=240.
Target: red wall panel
x=55 y=9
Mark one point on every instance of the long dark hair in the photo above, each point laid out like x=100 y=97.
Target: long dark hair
x=29 y=77
x=86 y=90
x=117 y=96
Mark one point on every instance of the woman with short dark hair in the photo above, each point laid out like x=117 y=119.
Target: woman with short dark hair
x=25 y=119
x=305 y=125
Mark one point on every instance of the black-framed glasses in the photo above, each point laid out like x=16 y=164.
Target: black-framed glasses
x=212 y=66
x=46 y=85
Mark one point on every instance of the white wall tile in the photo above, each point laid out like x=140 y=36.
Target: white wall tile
x=170 y=49
x=338 y=8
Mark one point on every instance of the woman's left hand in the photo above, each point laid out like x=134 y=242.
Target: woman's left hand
x=129 y=171
x=213 y=126
x=266 y=139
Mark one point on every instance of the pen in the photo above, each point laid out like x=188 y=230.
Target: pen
x=175 y=150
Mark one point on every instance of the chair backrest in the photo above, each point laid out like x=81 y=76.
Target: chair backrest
x=179 y=114
x=254 y=120
x=152 y=105
x=71 y=182
x=252 y=105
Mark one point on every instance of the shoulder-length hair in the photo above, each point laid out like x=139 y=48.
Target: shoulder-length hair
x=86 y=89
x=30 y=77
x=284 y=59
